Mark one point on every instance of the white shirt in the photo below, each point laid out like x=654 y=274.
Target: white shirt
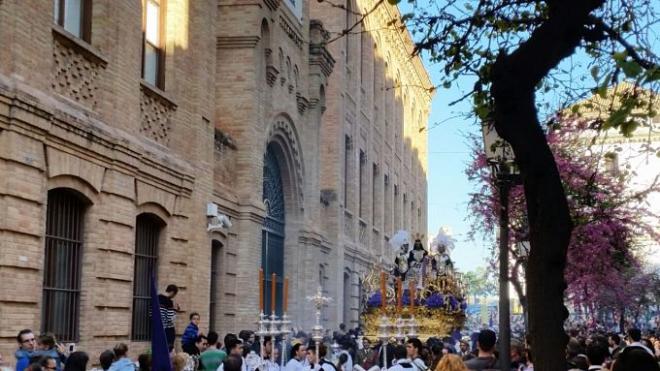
x=294 y=365
x=402 y=365
x=419 y=364
x=348 y=366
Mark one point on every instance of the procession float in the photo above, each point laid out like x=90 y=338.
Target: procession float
x=419 y=295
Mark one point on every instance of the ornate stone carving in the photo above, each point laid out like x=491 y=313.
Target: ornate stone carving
x=290 y=88
x=271 y=70
x=302 y=102
x=292 y=32
x=156 y=113
x=76 y=71
x=273 y=4
x=224 y=165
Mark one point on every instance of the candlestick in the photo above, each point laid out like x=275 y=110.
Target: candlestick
x=399 y=289
x=286 y=295
x=261 y=290
x=383 y=290
x=273 y=292
x=411 y=290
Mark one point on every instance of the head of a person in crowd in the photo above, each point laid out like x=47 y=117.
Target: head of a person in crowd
x=614 y=340
x=276 y=354
x=597 y=353
x=298 y=351
x=234 y=347
x=436 y=349
x=201 y=343
x=413 y=348
x=464 y=346
x=26 y=340
x=366 y=344
x=233 y=363
x=106 y=359
x=144 y=360
x=399 y=352
x=195 y=318
x=635 y=359
x=311 y=355
x=120 y=350
x=35 y=366
x=268 y=345
x=573 y=348
x=212 y=339
x=171 y=291
x=634 y=334
x=342 y=327
x=517 y=352
x=581 y=362
x=46 y=341
x=226 y=339
x=48 y=363
x=179 y=361
x=77 y=361
x=451 y=362
x=486 y=341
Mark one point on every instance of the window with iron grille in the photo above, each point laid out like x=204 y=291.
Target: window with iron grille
x=147 y=235
x=62 y=264
x=215 y=255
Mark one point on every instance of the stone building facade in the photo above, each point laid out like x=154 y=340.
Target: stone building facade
x=129 y=130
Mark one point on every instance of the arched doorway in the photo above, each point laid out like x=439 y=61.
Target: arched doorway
x=272 y=236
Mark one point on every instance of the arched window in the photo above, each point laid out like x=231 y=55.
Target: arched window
x=148 y=228
x=62 y=264
x=272 y=236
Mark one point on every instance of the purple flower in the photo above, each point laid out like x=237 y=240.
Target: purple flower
x=453 y=303
x=374 y=301
x=435 y=300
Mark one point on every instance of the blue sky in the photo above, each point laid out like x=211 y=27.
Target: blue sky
x=449 y=188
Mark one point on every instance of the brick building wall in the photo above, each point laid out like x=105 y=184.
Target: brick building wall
x=240 y=78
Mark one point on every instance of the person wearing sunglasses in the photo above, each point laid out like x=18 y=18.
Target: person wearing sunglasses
x=26 y=347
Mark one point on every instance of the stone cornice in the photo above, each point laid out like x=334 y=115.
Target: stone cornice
x=48 y=119
x=236 y=42
x=291 y=31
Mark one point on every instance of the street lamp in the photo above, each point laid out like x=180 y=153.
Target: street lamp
x=501 y=159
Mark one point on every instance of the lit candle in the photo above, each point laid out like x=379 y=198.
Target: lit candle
x=261 y=290
x=273 y=292
x=286 y=294
x=383 y=290
x=411 y=290
x=399 y=290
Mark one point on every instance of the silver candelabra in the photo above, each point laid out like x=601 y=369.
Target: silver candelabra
x=317 y=331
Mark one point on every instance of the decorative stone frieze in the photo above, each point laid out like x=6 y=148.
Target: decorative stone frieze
x=156 y=115
x=76 y=69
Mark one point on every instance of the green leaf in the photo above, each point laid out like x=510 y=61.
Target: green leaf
x=653 y=75
x=631 y=68
x=628 y=127
x=469 y=7
x=446 y=84
x=393 y=2
x=616 y=118
x=619 y=56
x=595 y=70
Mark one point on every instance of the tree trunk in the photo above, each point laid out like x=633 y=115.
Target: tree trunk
x=514 y=80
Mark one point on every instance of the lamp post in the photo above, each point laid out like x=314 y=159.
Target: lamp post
x=502 y=161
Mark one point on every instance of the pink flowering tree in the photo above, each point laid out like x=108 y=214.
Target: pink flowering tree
x=602 y=270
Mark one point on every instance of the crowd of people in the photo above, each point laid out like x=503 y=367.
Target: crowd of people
x=341 y=351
